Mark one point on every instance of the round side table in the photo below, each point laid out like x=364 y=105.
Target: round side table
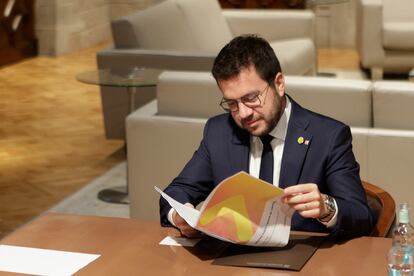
x=131 y=80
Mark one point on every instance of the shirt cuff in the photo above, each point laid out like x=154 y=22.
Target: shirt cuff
x=170 y=218
x=332 y=222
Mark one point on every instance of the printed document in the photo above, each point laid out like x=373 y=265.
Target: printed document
x=242 y=209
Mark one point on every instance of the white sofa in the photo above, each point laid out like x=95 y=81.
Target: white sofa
x=162 y=135
x=187 y=35
x=385 y=36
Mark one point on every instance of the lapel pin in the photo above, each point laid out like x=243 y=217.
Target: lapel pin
x=301 y=140
x=306 y=142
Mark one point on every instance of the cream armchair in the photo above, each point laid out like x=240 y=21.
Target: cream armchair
x=188 y=34
x=385 y=36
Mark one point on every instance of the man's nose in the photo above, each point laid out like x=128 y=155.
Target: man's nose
x=244 y=111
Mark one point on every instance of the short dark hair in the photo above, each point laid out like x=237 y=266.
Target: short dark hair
x=242 y=52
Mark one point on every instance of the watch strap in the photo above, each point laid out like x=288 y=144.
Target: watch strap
x=330 y=206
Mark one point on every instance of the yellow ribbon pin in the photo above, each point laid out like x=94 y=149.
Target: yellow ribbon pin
x=301 y=140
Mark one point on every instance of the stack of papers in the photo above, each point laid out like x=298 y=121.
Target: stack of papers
x=242 y=210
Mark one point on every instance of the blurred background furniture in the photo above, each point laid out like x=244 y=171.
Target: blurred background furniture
x=385 y=36
x=133 y=80
x=188 y=34
x=186 y=99
x=17 y=31
x=382 y=203
x=263 y=4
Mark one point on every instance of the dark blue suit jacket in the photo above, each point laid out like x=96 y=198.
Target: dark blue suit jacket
x=327 y=160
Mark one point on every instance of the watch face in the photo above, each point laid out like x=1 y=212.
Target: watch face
x=330 y=206
x=329 y=203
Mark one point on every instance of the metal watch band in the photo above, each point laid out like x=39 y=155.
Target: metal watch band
x=330 y=205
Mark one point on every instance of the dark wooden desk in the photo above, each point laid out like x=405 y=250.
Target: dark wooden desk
x=130 y=247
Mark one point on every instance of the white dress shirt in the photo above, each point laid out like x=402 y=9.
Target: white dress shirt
x=278 y=144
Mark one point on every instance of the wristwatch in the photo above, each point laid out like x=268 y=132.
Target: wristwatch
x=330 y=206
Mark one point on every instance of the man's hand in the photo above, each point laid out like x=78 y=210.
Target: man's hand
x=185 y=229
x=306 y=200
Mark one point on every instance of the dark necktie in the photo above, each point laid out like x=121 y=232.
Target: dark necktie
x=266 y=164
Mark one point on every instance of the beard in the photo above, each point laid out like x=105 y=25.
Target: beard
x=264 y=123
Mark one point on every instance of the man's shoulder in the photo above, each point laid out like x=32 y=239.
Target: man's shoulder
x=219 y=118
x=222 y=126
x=221 y=121
x=325 y=120
x=318 y=120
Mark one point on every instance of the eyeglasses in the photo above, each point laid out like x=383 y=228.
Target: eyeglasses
x=250 y=100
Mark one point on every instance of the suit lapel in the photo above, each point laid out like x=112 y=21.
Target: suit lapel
x=294 y=152
x=239 y=150
x=296 y=146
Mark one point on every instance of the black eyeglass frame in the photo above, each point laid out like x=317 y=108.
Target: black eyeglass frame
x=251 y=100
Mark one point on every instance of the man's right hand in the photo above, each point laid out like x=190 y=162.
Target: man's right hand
x=181 y=224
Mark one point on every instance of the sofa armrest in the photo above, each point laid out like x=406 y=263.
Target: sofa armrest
x=273 y=25
x=188 y=94
x=369 y=33
x=123 y=33
x=360 y=149
x=163 y=59
x=158 y=149
x=389 y=162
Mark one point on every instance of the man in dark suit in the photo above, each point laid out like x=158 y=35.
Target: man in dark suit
x=267 y=134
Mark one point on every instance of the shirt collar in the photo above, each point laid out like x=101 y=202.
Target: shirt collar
x=280 y=129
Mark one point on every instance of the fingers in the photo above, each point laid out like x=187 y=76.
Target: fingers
x=190 y=232
x=305 y=199
x=300 y=189
x=303 y=194
x=309 y=210
x=185 y=229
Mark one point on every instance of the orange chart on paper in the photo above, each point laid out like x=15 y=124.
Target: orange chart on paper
x=235 y=208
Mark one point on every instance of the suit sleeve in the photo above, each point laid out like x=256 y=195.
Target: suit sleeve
x=195 y=181
x=344 y=184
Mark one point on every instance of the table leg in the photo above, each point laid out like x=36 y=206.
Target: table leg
x=411 y=75
x=115 y=195
x=120 y=194
x=131 y=95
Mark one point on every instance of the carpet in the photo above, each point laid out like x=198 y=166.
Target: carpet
x=86 y=202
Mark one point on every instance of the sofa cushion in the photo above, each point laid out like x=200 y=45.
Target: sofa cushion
x=398 y=35
x=393 y=103
x=346 y=100
x=164 y=20
x=296 y=56
x=207 y=24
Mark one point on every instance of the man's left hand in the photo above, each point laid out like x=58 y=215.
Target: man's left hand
x=306 y=200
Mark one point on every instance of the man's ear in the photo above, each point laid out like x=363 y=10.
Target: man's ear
x=280 y=84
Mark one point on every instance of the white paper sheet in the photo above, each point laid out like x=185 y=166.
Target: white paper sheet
x=38 y=261
x=190 y=215
x=179 y=241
